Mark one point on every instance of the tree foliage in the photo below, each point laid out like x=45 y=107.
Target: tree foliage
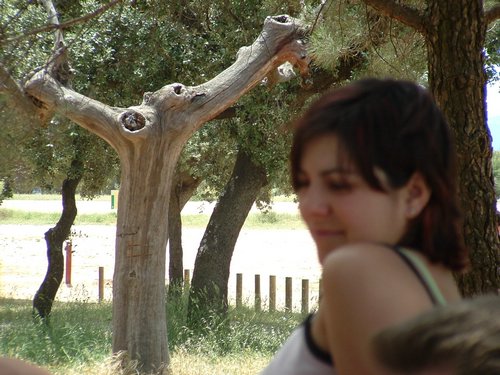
x=496 y=172
x=390 y=49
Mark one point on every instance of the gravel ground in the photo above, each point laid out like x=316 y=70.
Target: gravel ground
x=283 y=253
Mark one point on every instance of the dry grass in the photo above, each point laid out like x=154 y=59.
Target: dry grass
x=182 y=363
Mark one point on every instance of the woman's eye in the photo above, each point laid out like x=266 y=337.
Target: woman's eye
x=300 y=184
x=339 y=185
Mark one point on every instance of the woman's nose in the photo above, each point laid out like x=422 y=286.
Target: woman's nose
x=314 y=202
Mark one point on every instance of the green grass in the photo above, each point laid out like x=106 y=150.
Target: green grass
x=19 y=217
x=107 y=197
x=78 y=332
x=271 y=220
x=54 y=197
x=78 y=338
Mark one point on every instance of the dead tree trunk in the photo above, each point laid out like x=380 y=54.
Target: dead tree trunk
x=55 y=237
x=148 y=139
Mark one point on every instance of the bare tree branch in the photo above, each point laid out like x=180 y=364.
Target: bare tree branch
x=185 y=109
x=405 y=14
x=64 y=25
x=54 y=20
x=58 y=65
x=492 y=14
x=19 y=101
x=89 y=113
x=279 y=42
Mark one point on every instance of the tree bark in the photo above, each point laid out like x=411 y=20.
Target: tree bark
x=148 y=139
x=455 y=42
x=55 y=237
x=211 y=270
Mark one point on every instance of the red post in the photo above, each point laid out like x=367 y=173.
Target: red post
x=69 y=252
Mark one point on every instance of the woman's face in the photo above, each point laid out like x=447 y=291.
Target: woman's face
x=337 y=204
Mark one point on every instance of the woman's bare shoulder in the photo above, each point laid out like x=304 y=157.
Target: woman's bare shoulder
x=361 y=256
x=366 y=288
x=371 y=275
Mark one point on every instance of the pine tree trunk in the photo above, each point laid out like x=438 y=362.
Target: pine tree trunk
x=212 y=264
x=455 y=41
x=55 y=237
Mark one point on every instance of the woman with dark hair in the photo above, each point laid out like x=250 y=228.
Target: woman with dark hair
x=373 y=166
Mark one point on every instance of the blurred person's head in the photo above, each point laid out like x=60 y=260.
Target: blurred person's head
x=457 y=339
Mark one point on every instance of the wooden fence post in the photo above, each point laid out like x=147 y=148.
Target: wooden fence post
x=69 y=254
x=272 y=293
x=257 y=293
x=288 y=294
x=305 y=296
x=239 y=289
x=187 y=280
x=101 y=284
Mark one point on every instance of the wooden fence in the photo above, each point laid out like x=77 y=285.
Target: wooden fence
x=307 y=300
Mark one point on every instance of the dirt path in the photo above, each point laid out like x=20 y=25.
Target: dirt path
x=265 y=252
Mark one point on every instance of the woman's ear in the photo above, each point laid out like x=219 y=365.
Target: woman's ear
x=418 y=195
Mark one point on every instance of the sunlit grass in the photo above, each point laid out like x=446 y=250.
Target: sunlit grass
x=107 y=197
x=8 y=216
x=257 y=220
x=77 y=339
x=55 y=197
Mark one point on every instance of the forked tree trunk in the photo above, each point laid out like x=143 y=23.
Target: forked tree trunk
x=211 y=269
x=54 y=238
x=148 y=139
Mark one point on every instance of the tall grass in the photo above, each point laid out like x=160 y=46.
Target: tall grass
x=77 y=339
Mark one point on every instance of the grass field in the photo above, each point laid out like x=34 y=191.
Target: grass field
x=255 y=220
x=78 y=339
x=270 y=220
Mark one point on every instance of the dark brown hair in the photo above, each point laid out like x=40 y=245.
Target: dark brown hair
x=397 y=127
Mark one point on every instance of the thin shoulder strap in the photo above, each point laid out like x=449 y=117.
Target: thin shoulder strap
x=423 y=274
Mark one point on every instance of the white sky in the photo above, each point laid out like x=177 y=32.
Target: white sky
x=493 y=99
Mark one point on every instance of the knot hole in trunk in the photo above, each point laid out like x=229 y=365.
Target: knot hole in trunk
x=132 y=120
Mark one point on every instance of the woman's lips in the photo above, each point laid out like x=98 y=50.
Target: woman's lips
x=326 y=232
